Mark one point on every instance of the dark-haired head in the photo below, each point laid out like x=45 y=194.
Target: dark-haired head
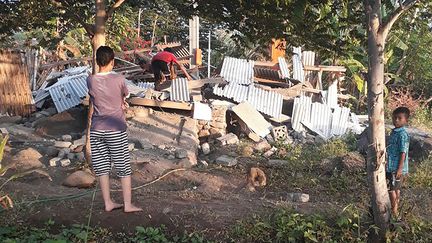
x=104 y=56
x=169 y=49
x=401 y=116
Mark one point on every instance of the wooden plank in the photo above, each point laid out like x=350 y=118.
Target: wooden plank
x=325 y=68
x=268 y=81
x=162 y=104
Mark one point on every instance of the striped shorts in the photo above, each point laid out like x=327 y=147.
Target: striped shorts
x=110 y=147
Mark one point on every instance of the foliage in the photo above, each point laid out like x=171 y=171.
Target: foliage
x=422 y=176
x=80 y=233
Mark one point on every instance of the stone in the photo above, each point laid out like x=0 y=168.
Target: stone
x=226 y=160
x=10 y=119
x=50 y=111
x=205 y=148
x=270 y=152
x=62 y=144
x=71 y=156
x=181 y=153
x=219 y=125
x=78 y=149
x=80 y=179
x=4 y=131
x=27 y=159
x=67 y=138
x=54 y=161
x=203 y=133
x=171 y=157
x=51 y=151
x=145 y=144
x=162 y=146
x=277 y=162
x=262 y=146
x=131 y=147
x=247 y=151
x=228 y=139
x=298 y=197
x=203 y=163
x=65 y=162
x=80 y=141
x=80 y=156
x=214 y=131
x=63 y=152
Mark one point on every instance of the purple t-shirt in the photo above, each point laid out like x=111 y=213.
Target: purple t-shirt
x=107 y=91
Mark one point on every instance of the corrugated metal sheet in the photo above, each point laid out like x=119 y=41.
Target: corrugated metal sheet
x=301 y=112
x=180 y=90
x=340 y=120
x=332 y=97
x=267 y=102
x=69 y=92
x=181 y=52
x=283 y=65
x=267 y=73
x=308 y=59
x=237 y=70
x=77 y=70
x=146 y=85
x=321 y=119
x=298 y=71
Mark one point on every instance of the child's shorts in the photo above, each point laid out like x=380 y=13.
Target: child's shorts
x=396 y=184
x=110 y=147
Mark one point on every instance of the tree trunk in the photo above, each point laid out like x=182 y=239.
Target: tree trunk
x=376 y=156
x=97 y=40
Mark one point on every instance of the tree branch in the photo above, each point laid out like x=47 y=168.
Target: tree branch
x=404 y=6
x=88 y=27
x=113 y=9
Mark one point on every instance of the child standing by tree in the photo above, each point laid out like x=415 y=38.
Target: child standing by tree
x=397 y=156
x=108 y=137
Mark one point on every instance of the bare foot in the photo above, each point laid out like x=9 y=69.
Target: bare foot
x=112 y=206
x=132 y=208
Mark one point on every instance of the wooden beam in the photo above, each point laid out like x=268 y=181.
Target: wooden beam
x=322 y=68
x=161 y=104
x=268 y=81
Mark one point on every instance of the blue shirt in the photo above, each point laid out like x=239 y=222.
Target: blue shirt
x=398 y=143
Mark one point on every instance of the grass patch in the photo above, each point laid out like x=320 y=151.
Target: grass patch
x=422 y=176
x=422 y=119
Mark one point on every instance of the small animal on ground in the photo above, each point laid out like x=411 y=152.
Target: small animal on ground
x=255 y=178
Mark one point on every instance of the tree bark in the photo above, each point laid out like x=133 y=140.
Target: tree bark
x=376 y=156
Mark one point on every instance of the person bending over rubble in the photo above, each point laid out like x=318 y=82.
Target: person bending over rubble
x=108 y=137
x=163 y=63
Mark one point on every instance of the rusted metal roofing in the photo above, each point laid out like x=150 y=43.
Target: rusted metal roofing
x=267 y=102
x=283 y=65
x=180 y=90
x=267 y=73
x=181 y=52
x=238 y=71
x=68 y=91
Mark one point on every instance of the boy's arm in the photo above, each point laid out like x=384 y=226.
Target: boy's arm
x=401 y=165
x=184 y=71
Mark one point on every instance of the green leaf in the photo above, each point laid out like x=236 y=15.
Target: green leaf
x=360 y=83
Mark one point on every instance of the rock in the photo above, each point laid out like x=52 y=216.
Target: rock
x=131 y=147
x=71 y=156
x=144 y=144
x=63 y=152
x=80 y=156
x=27 y=159
x=203 y=133
x=162 y=146
x=181 y=153
x=10 y=119
x=67 y=138
x=226 y=160
x=4 y=131
x=298 y=197
x=205 y=147
x=214 y=131
x=54 y=161
x=51 y=151
x=78 y=149
x=228 y=139
x=270 y=152
x=262 y=146
x=171 y=157
x=65 y=162
x=50 y=111
x=277 y=162
x=62 y=144
x=218 y=125
x=80 y=179
x=80 y=142
x=203 y=163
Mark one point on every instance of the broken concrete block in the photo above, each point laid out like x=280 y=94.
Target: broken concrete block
x=54 y=161
x=62 y=144
x=252 y=118
x=262 y=146
x=63 y=152
x=67 y=138
x=226 y=160
x=280 y=133
x=270 y=152
x=80 y=141
x=202 y=111
x=205 y=147
x=4 y=131
x=65 y=162
x=228 y=139
x=298 y=197
x=181 y=153
x=80 y=179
